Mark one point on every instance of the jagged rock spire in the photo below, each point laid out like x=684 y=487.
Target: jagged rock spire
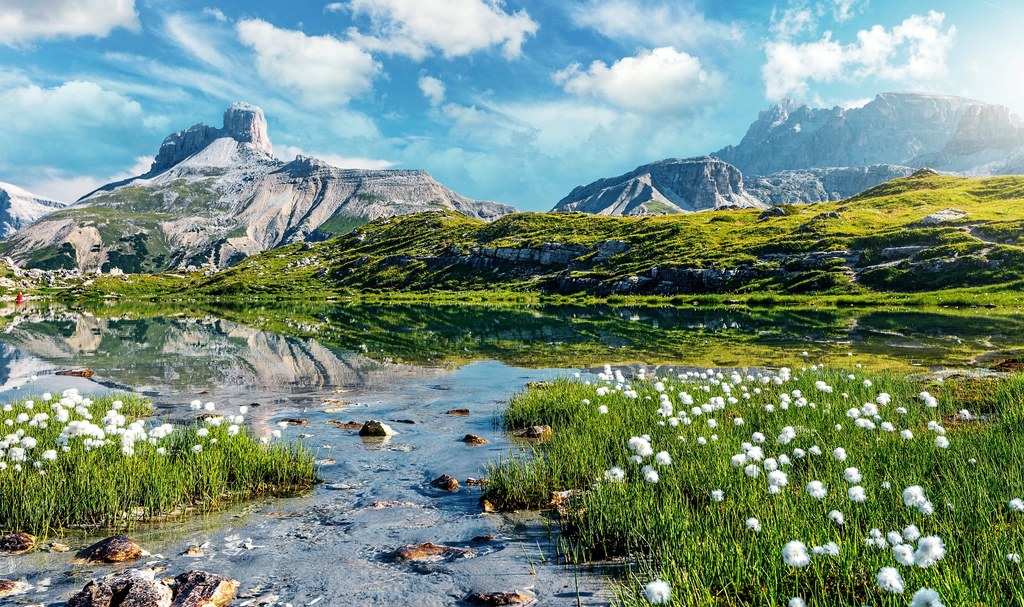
x=243 y=122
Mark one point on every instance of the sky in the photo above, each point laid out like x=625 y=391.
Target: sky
x=516 y=101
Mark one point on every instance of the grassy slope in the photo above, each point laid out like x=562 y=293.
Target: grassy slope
x=447 y=252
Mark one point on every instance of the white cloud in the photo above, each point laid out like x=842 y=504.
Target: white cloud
x=842 y=10
x=913 y=52
x=195 y=38
x=59 y=185
x=289 y=152
x=677 y=24
x=432 y=89
x=216 y=13
x=22 y=21
x=320 y=71
x=793 y=21
x=660 y=81
x=453 y=27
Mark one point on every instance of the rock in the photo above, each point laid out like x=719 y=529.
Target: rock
x=20 y=209
x=58 y=547
x=536 y=432
x=17 y=543
x=75 y=373
x=473 y=439
x=487 y=506
x=402 y=421
x=12 y=587
x=193 y=551
x=446 y=483
x=349 y=425
x=95 y=594
x=138 y=588
x=482 y=539
x=376 y=428
x=538 y=385
x=477 y=482
x=430 y=551
x=203 y=589
x=671 y=186
x=294 y=421
x=943 y=216
x=457 y=412
x=821 y=184
x=519 y=597
x=116 y=549
x=772 y=212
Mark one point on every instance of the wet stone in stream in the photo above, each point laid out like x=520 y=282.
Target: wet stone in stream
x=17 y=543
x=10 y=587
x=429 y=551
x=445 y=483
x=116 y=549
x=473 y=439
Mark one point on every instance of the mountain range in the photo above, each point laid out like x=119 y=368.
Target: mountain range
x=216 y=195
x=793 y=153
x=19 y=208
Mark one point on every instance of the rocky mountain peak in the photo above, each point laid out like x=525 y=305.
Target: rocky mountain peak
x=246 y=123
x=243 y=122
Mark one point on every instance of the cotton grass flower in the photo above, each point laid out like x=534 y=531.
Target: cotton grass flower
x=817 y=490
x=718 y=495
x=836 y=517
x=839 y=454
x=615 y=474
x=657 y=592
x=889 y=580
x=663 y=458
x=753 y=524
x=1017 y=504
x=904 y=554
x=650 y=475
x=914 y=496
x=930 y=550
x=795 y=554
x=926 y=597
x=796 y=602
x=852 y=475
x=857 y=494
x=911 y=533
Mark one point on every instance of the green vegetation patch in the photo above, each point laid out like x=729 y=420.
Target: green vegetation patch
x=69 y=461
x=751 y=488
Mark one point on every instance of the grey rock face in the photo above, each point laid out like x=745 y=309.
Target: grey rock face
x=676 y=185
x=215 y=196
x=19 y=209
x=822 y=185
x=908 y=129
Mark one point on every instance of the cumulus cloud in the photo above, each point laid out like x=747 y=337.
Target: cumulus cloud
x=914 y=51
x=677 y=24
x=319 y=71
x=454 y=28
x=663 y=80
x=432 y=89
x=216 y=13
x=23 y=21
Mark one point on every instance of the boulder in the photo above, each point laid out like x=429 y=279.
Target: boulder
x=536 y=432
x=943 y=216
x=116 y=549
x=457 y=412
x=17 y=543
x=87 y=373
x=473 y=439
x=518 y=597
x=446 y=483
x=377 y=429
x=12 y=587
x=203 y=589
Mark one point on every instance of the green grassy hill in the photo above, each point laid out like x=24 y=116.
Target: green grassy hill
x=886 y=240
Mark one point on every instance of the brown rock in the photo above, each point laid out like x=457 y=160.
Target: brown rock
x=194 y=551
x=294 y=421
x=473 y=439
x=445 y=482
x=487 y=506
x=539 y=385
x=537 y=432
x=202 y=589
x=75 y=373
x=11 y=587
x=430 y=551
x=519 y=597
x=58 y=547
x=17 y=543
x=482 y=539
x=345 y=425
x=403 y=421
x=477 y=482
x=457 y=412
x=116 y=549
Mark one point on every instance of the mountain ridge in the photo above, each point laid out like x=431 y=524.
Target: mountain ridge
x=20 y=208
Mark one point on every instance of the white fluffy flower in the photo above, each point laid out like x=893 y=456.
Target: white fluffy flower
x=615 y=474
x=889 y=580
x=839 y=453
x=778 y=478
x=911 y=533
x=914 y=497
x=836 y=517
x=657 y=592
x=795 y=554
x=753 y=524
x=856 y=494
x=816 y=489
x=930 y=550
x=650 y=474
x=941 y=442
x=926 y=597
x=796 y=602
x=904 y=554
x=1017 y=504
x=718 y=495
x=852 y=475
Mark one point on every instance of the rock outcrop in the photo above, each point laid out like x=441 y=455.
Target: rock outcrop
x=19 y=209
x=216 y=195
x=822 y=185
x=676 y=185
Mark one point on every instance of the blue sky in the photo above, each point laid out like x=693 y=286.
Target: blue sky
x=516 y=101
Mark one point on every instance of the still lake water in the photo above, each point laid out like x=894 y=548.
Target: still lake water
x=412 y=362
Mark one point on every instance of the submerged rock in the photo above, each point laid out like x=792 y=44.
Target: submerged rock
x=457 y=412
x=116 y=549
x=537 y=432
x=17 y=543
x=429 y=551
x=294 y=421
x=473 y=439
x=518 y=597
x=11 y=587
x=139 y=588
x=349 y=425
x=193 y=551
x=86 y=373
x=376 y=428
x=446 y=483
